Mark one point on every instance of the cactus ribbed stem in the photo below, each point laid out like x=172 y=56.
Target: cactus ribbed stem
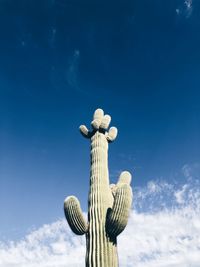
x=100 y=246
x=108 y=206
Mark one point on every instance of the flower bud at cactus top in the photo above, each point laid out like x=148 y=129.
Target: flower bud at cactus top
x=84 y=130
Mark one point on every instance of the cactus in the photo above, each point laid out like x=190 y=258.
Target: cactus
x=108 y=205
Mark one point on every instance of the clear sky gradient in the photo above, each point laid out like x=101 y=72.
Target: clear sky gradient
x=62 y=59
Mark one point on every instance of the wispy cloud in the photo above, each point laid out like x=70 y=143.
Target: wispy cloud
x=163 y=231
x=188 y=4
x=185 y=9
x=191 y=171
x=72 y=70
x=72 y=73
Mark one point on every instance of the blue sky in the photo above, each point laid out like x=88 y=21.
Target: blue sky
x=59 y=61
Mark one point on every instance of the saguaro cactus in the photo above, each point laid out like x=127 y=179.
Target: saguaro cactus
x=108 y=205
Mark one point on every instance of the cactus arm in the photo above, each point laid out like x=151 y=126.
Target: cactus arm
x=112 y=134
x=117 y=217
x=84 y=131
x=124 y=178
x=74 y=216
x=105 y=122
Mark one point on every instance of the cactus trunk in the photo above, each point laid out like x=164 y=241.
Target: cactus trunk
x=101 y=249
x=108 y=205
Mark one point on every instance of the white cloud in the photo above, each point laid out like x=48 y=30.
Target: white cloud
x=51 y=245
x=163 y=231
x=179 y=194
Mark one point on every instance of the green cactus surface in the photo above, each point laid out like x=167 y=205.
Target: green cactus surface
x=108 y=205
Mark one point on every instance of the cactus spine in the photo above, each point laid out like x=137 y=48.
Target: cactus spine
x=108 y=205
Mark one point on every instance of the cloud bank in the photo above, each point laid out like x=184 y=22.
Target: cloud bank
x=163 y=231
